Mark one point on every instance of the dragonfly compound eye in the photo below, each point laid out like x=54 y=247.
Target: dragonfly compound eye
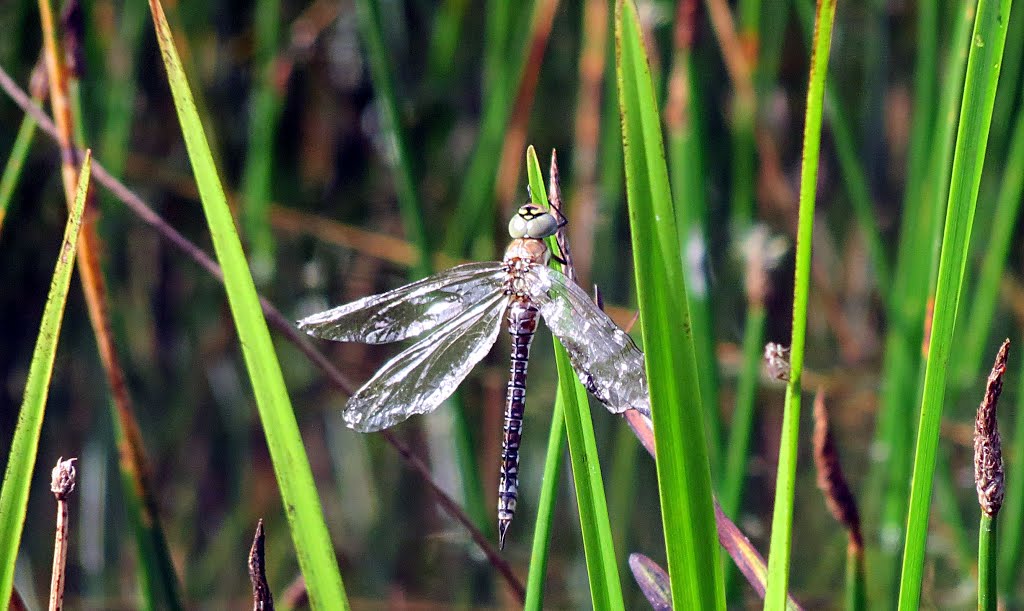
x=541 y=226
x=517 y=227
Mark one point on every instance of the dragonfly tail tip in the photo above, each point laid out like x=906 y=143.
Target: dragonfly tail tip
x=502 y=529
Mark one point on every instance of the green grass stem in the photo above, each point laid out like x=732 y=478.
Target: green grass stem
x=684 y=476
x=598 y=544
x=972 y=135
x=313 y=546
x=553 y=458
x=988 y=545
x=21 y=460
x=782 y=517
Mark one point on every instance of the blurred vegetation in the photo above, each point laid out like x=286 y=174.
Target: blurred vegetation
x=364 y=143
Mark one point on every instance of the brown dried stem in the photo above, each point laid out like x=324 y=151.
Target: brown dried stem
x=831 y=481
x=988 y=453
x=276 y=320
x=262 y=599
x=62 y=484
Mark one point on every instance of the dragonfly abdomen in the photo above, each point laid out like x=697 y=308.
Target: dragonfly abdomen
x=522 y=324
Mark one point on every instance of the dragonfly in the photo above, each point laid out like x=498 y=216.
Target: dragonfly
x=457 y=314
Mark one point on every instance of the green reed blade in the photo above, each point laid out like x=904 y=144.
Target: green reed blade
x=313 y=546
x=972 y=134
x=20 y=473
x=684 y=475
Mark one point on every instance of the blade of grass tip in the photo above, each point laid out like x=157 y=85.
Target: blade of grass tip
x=25 y=444
x=372 y=33
x=683 y=119
x=265 y=104
x=537 y=575
x=989 y=480
x=598 y=546
x=972 y=135
x=653 y=581
x=684 y=474
x=785 y=484
x=312 y=540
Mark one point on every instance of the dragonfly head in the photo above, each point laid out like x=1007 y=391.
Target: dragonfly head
x=531 y=221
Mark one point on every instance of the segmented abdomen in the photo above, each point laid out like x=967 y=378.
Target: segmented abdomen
x=522 y=324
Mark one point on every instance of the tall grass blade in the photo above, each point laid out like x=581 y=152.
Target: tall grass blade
x=684 y=475
x=598 y=546
x=972 y=135
x=785 y=483
x=21 y=460
x=313 y=546
x=553 y=458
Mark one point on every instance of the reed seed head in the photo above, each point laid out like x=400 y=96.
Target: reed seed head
x=988 y=454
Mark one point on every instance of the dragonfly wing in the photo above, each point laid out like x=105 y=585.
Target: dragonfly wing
x=409 y=310
x=605 y=358
x=419 y=378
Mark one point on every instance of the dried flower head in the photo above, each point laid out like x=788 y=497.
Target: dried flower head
x=831 y=481
x=988 y=454
x=62 y=478
x=776 y=358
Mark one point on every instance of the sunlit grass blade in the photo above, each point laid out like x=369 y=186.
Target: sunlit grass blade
x=972 y=135
x=553 y=459
x=684 y=475
x=785 y=483
x=21 y=460
x=598 y=546
x=313 y=546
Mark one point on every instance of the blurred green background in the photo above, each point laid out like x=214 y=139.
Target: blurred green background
x=299 y=128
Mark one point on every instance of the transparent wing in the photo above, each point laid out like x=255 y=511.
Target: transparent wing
x=604 y=356
x=419 y=378
x=409 y=310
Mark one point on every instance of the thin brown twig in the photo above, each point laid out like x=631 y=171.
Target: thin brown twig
x=62 y=484
x=275 y=318
x=262 y=599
